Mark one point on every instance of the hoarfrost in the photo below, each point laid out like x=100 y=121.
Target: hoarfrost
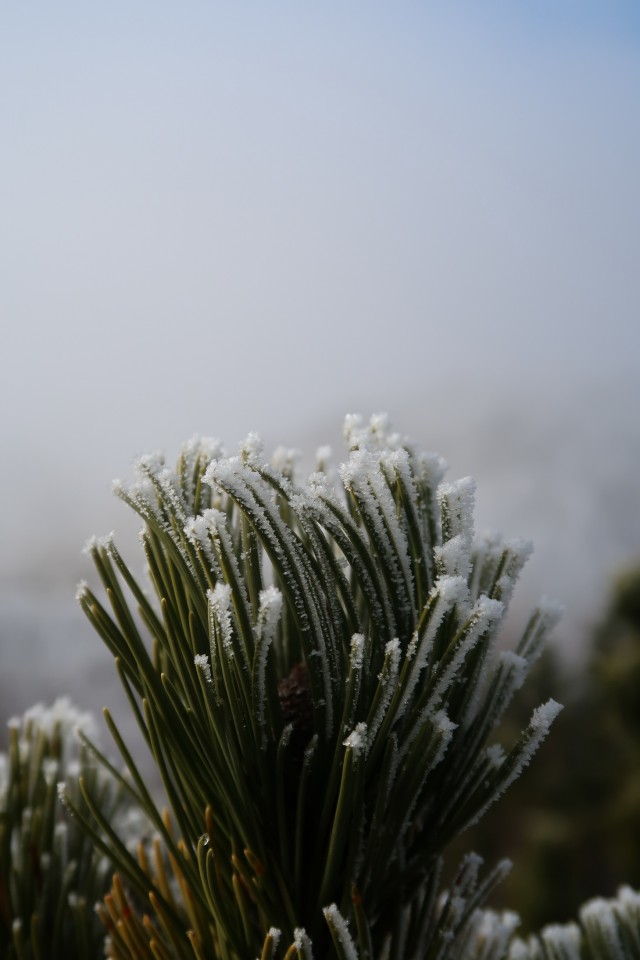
x=599 y=920
x=82 y=591
x=220 y=612
x=364 y=478
x=285 y=458
x=544 y=715
x=202 y=664
x=433 y=467
x=339 y=925
x=457 y=502
x=269 y=612
x=453 y=557
x=388 y=678
x=564 y=938
x=485 y=613
x=357 y=739
x=446 y=592
x=357 y=651
x=495 y=755
x=252 y=448
x=61 y=716
x=301 y=941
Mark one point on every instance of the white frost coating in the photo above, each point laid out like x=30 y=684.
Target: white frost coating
x=495 y=755
x=202 y=664
x=454 y=557
x=285 y=458
x=255 y=497
x=170 y=489
x=451 y=590
x=509 y=557
x=379 y=425
x=519 y=951
x=351 y=428
x=61 y=789
x=456 y=906
x=388 y=678
x=62 y=716
x=433 y=468
x=222 y=470
x=269 y=613
x=193 y=454
x=357 y=739
x=444 y=728
x=489 y=934
x=82 y=591
x=302 y=942
x=149 y=464
x=628 y=898
x=542 y=621
x=550 y=612
x=270 y=609
x=599 y=920
x=339 y=926
x=357 y=651
x=520 y=550
x=457 y=502
x=563 y=937
x=50 y=770
x=318 y=485
x=544 y=715
x=198 y=532
x=252 y=448
x=217 y=521
x=446 y=592
x=484 y=613
x=362 y=475
x=538 y=728
x=220 y=614
x=210 y=448
x=517 y=668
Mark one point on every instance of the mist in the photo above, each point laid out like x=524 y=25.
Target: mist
x=241 y=217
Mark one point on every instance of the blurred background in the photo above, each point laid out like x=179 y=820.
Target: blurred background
x=225 y=217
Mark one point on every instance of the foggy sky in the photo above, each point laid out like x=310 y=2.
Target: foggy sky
x=226 y=217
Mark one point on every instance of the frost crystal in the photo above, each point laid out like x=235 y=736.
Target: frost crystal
x=564 y=940
x=252 y=448
x=339 y=926
x=301 y=940
x=357 y=739
x=220 y=613
x=357 y=651
x=202 y=664
x=457 y=502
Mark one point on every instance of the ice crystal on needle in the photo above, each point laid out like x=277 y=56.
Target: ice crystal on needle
x=320 y=693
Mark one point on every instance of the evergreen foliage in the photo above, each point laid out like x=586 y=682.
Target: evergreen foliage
x=318 y=681
x=573 y=828
x=321 y=690
x=51 y=874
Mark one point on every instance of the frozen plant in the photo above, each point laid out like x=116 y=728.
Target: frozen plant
x=608 y=929
x=51 y=872
x=319 y=684
x=318 y=681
